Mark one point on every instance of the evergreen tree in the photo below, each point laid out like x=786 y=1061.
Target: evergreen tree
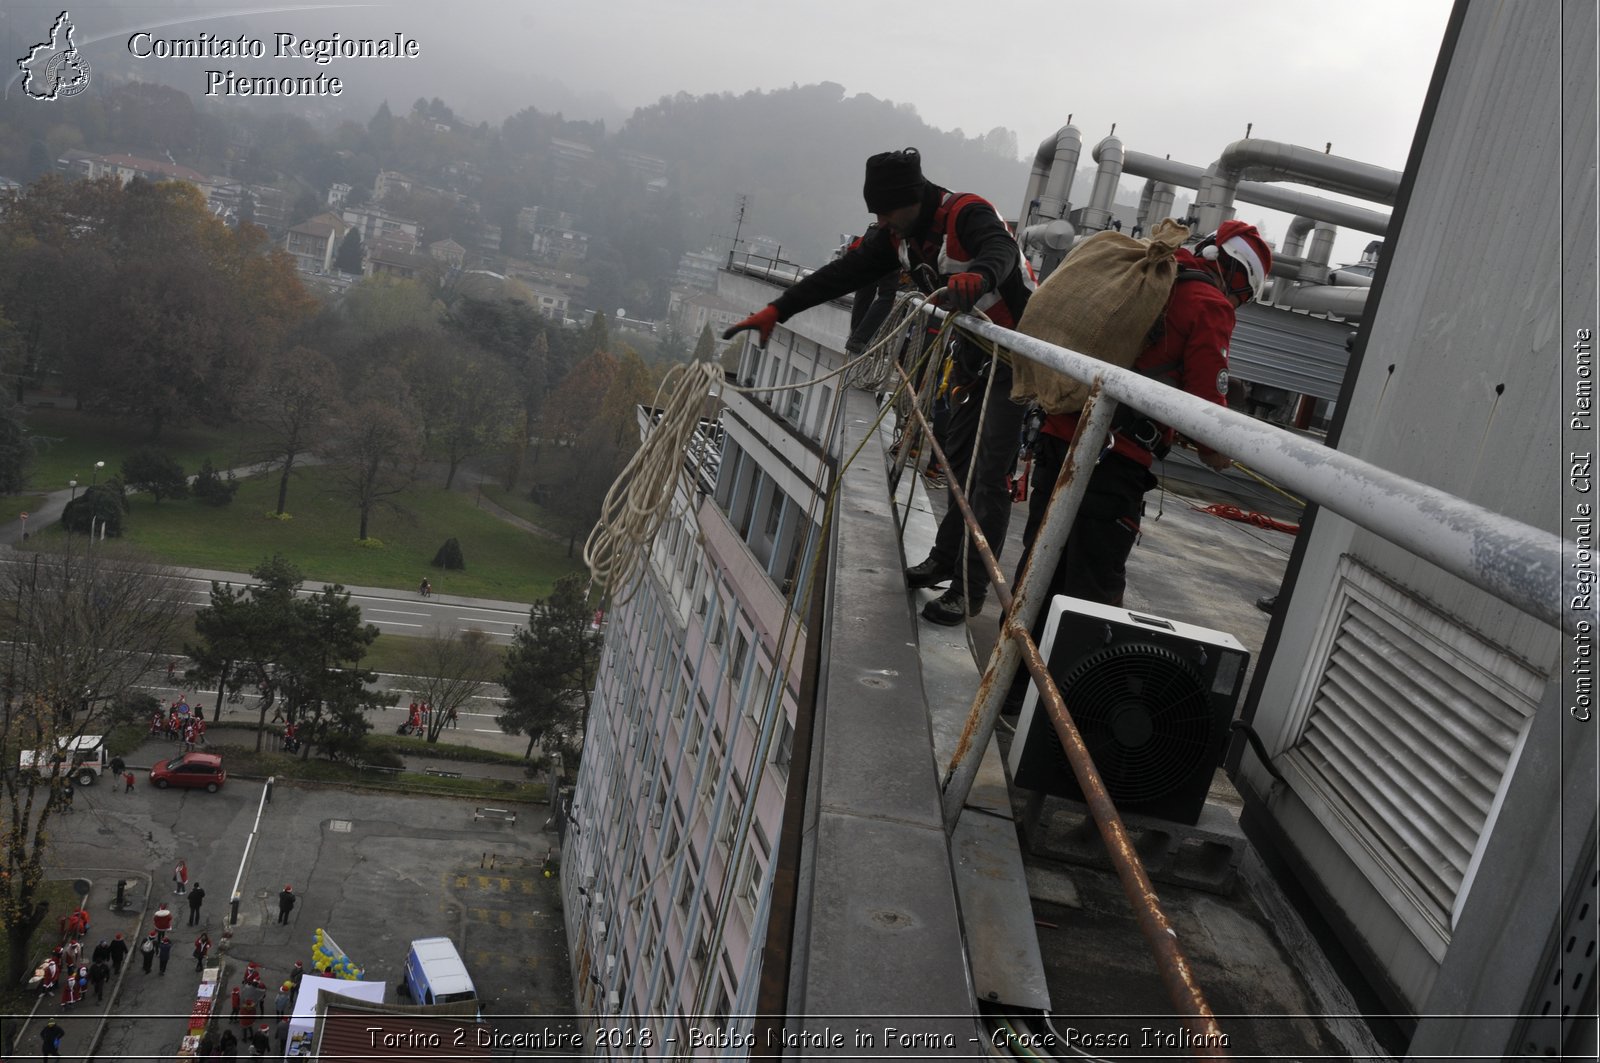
x=349 y=257
x=550 y=669
x=705 y=348
x=597 y=337
x=156 y=471
x=302 y=651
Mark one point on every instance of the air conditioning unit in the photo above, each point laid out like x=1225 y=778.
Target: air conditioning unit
x=1152 y=698
x=613 y=1000
x=611 y=963
x=599 y=929
x=655 y=815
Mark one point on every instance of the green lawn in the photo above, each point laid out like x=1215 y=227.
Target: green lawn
x=519 y=503
x=71 y=442
x=502 y=562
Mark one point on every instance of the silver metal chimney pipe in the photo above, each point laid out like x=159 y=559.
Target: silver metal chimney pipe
x=1161 y=201
x=1155 y=203
x=1294 y=238
x=1108 y=153
x=1050 y=182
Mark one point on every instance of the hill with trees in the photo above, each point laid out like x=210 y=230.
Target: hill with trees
x=764 y=145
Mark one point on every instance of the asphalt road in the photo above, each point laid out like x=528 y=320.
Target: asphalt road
x=394 y=612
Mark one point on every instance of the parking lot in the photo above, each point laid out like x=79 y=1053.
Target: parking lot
x=374 y=871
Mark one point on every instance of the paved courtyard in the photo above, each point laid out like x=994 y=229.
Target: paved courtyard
x=373 y=871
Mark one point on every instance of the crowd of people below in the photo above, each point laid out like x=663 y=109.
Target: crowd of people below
x=180 y=723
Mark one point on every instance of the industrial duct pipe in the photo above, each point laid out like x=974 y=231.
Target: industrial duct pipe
x=1108 y=153
x=1290 y=201
x=1155 y=203
x=1274 y=161
x=1050 y=182
x=1326 y=299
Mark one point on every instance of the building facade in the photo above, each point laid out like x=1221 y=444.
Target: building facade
x=668 y=863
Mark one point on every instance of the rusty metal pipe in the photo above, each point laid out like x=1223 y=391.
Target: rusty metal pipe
x=1171 y=963
x=1032 y=589
x=982 y=544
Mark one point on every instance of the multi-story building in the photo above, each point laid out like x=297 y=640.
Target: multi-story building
x=375 y=224
x=449 y=252
x=694 y=313
x=315 y=242
x=680 y=802
x=391 y=181
x=698 y=269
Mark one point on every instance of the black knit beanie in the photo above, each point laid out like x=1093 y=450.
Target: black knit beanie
x=894 y=180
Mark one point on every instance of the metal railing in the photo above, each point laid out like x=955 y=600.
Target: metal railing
x=1517 y=563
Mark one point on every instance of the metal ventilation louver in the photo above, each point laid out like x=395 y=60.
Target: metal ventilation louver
x=1410 y=733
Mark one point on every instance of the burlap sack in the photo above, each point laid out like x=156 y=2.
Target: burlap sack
x=1101 y=302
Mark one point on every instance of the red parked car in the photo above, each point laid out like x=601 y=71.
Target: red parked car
x=192 y=771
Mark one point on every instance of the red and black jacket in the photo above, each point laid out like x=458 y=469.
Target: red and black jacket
x=955 y=233
x=1189 y=351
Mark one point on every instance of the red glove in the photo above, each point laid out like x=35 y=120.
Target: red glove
x=762 y=321
x=966 y=289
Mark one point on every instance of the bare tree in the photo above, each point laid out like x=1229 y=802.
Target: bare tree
x=86 y=626
x=451 y=670
x=375 y=449
x=292 y=403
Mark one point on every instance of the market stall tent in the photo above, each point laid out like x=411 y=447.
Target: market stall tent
x=315 y=990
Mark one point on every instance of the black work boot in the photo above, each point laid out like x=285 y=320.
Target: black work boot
x=929 y=573
x=946 y=609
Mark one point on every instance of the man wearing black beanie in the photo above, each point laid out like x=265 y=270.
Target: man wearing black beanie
x=966 y=244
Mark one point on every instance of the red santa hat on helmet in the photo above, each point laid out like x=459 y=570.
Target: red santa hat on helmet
x=1242 y=243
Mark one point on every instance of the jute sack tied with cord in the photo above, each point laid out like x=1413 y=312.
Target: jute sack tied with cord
x=1101 y=301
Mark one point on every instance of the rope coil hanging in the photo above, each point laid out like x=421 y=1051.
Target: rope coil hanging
x=640 y=499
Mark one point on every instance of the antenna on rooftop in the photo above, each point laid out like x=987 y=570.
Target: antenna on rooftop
x=741 y=204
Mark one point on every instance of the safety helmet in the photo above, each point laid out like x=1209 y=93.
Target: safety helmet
x=1242 y=244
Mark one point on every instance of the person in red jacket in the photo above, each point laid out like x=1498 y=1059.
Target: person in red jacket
x=957 y=242
x=1188 y=349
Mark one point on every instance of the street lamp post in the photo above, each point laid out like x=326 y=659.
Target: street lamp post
x=74 y=485
x=97 y=467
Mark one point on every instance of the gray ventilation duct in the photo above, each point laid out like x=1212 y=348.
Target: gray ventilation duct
x=1320 y=252
x=1323 y=299
x=1274 y=161
x=1294 y=238
x=1288 y=200
x=1048 y=236
x=1108 y=153
x=1155 y=203
x=1293 y=248
x=1050 y=182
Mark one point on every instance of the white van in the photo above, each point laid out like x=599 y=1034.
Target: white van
x=435 y=973
x=84 y=758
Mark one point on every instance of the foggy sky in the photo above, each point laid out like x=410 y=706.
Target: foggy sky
x=1176 y=78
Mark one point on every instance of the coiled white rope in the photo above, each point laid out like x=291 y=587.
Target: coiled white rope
x=640 y=499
